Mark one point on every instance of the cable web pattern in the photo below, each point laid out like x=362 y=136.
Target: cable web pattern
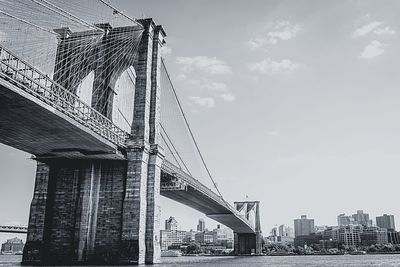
x=87 y=47
x=177 y=137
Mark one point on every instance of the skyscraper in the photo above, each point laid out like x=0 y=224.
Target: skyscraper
x=171 y=224
x=303 y=226
x=282 y=230
x=386 y=221
x=362 y=218
x=201 y=226
x=344 y=220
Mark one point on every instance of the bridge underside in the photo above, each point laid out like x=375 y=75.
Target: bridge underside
x=30 y=125
x=199 y=201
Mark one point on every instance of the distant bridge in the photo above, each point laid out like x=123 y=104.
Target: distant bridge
x=13 y=229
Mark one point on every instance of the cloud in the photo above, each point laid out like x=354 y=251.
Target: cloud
x=207 y=102
x=165 y=51
x=209 y=65
x=366 y=29
x=268 y=66
x=278 y=31
x=373 y=28
x=374 y=49
x=385 y=31
x=181 y=77
x=227 y=97
x=214 y=86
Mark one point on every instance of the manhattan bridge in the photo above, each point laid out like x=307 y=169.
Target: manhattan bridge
x=85 y=90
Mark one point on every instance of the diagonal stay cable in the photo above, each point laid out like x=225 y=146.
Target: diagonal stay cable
x=190 y=130
x=170 y=150
x=176 y=151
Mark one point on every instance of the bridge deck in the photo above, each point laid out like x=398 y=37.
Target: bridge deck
x=181 y=187
x=29 y=124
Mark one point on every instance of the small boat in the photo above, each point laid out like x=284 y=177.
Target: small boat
x=358 y=252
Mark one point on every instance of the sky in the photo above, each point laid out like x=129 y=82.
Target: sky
x=293 y=103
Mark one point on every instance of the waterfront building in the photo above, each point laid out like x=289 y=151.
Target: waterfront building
x=328 y=244
x=171 y=224
x=386 y=221
x=201 y=226
x=307 y=240
x=169 y=238
x=331 y=233
x=393 y=237
x=350 y=235
x=12 y=246
x=373 y=236
x=190 y=236
x=362 y=218
x=303 y=226
x=222 y=234
x=204 y=237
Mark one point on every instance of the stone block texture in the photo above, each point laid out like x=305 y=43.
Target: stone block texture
x=82 y=213
x=104 y=212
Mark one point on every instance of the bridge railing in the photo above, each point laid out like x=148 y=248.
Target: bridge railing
x=39 y=85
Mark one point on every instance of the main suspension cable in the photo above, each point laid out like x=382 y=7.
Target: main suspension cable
x=190 y=130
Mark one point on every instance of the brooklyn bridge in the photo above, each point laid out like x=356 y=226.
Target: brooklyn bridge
x=85 y=90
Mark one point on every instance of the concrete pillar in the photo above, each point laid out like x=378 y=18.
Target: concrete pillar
x=34 y=247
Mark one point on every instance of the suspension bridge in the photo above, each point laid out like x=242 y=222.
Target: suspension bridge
x=85 y=90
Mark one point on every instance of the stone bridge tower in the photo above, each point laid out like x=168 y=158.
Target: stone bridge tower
x=102 y=208
x=248 y=244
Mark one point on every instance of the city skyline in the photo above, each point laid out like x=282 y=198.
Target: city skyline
x=328 y=112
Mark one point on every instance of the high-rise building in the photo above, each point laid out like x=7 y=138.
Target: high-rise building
x=344 y=220
x=201 y=226
x=171 y=224
x=289 y=232
x=282 y=230
x=362 y=218
x=386 y=221
x=274 y=231
x=303 y=226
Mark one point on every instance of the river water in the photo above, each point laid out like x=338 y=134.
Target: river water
x=275 y=261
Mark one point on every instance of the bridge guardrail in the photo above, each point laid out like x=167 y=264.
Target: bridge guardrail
x=38 y=84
